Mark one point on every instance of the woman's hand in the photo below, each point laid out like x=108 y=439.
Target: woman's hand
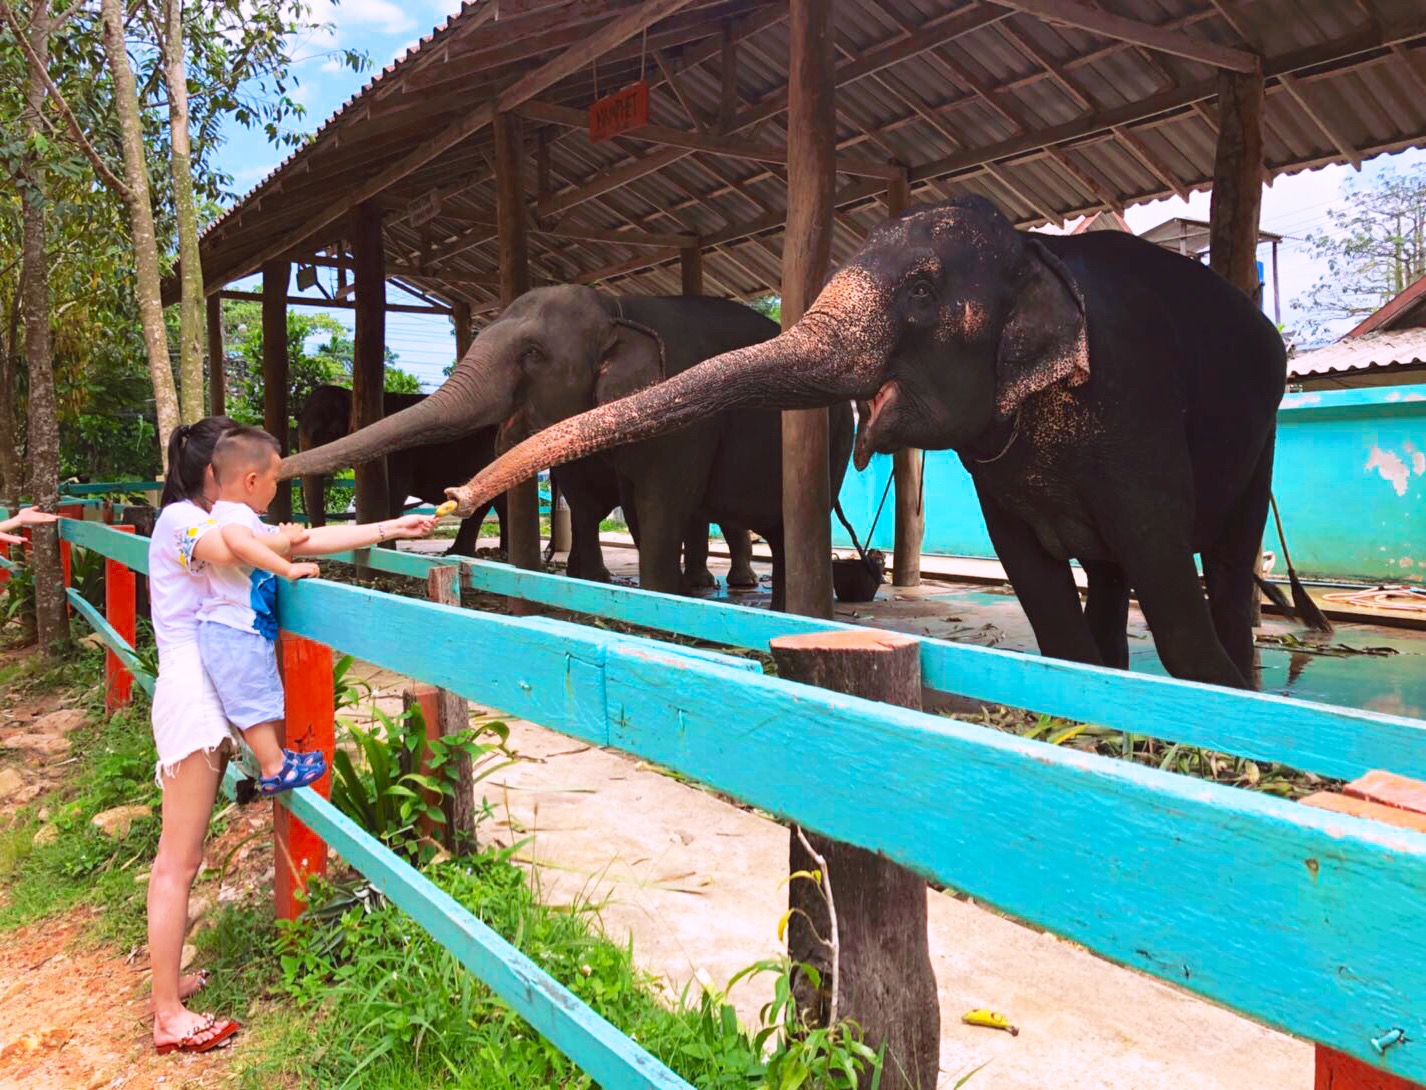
x=294 y=532
x=32 y=516
x=408 y=526
x=11 y=539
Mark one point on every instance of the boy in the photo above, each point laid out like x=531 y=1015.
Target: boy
x=237 y=621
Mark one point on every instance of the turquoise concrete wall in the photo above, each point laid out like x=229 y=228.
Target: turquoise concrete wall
x=1350 y=479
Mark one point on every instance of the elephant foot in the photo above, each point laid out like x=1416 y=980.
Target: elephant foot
x=699 y=580
x=742 y=577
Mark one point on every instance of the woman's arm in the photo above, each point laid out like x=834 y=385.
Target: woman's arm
x=335 y=539
x=26 y=516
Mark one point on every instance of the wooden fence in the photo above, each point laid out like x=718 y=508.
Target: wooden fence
x=1305 y=919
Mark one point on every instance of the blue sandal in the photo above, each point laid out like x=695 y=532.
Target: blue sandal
x=294 y=774
x=312 y=757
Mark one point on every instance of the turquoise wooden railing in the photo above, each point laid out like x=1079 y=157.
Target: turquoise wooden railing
x=1199 y=884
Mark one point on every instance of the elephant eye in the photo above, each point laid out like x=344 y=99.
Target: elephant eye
x=921 y=291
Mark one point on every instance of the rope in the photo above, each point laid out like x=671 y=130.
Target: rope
x=1401 y=598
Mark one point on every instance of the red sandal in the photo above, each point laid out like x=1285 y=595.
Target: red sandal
x=196 y=1042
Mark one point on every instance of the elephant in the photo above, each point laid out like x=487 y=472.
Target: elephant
x=415 y=471
x=1114 y=403
x=558 y=351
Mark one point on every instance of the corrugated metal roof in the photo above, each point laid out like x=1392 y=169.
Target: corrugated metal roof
x=1051 y=122
x=1390 y=352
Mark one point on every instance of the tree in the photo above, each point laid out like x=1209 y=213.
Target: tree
x=1374 y=248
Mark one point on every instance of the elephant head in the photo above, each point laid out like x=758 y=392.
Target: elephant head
x=553 y=353
x=941 y=326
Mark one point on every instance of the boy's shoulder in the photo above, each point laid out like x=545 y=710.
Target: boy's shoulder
x=230 y=513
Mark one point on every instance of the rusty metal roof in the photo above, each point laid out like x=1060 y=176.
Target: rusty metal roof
x=1050 y=121
x=1373 y=359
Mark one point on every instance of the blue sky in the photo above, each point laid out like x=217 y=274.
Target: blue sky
x=1292 y=206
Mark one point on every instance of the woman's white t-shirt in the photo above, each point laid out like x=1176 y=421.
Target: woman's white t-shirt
x=177 y=582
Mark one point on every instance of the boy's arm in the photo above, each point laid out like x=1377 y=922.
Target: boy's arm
x=252 y=550
x=335 y=539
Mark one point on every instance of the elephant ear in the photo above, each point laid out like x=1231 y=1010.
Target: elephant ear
x=633 y=358
x=1045 y=340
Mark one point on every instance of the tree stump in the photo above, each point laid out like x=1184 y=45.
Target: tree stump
x=885 y=981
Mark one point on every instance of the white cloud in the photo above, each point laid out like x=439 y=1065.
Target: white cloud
x=379 y=15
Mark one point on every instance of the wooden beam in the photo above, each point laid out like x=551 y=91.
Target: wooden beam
x=806 y=252
x=907 y=465
x=369 y=355
x=671 y=82
x=690 y=270
x=465 y=332
x=217 y=376
x=703 y=142
x=1176 y=43
x=1155 y=165
x=522 y=503
x=1328 y=127
x=1237 y=181
x=326 y=304
x=275 y=378
x=728 y=70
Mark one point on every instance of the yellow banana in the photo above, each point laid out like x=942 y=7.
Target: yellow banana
x=445 y=509
x=989 y=1019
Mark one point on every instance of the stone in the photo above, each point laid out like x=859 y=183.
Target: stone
x=141 y=877
x=186 y=959
x=93 y=640
x=115 y=822
x=10 y=782
x=46 y=834
x=50 y=745
x=60 y=722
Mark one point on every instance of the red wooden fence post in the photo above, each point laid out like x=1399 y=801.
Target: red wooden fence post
x=69 y=511
x=1395 y=800
x=120 y=589
x=298 y=852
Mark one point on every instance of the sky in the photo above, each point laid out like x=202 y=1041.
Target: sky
x=1293 y=206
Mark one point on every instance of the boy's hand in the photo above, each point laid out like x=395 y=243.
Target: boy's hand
x=294 y=532
x=11 y=539
x=303 y=571
x=409 y=526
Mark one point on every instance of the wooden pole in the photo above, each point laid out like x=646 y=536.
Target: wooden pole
x=425 y=697
x=460 y=316
x=120 y=602
x=310 y=724
x=690 y=270
x=274 y=370
x=906 y=464
x=1237 y=199
x=884 y=980
x=369 y=354
x=806 y=251
x=217 y=377
x=523 y=501
x=452 y=717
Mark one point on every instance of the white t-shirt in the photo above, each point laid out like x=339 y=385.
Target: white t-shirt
x=178 y=583
x=240 y=596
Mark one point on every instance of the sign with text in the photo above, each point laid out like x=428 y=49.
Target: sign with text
x=620 y=112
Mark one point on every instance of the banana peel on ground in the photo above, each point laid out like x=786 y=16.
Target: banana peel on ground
x=990 y=1020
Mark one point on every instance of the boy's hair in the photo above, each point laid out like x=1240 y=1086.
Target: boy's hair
x=190 y=451
x=242 y=450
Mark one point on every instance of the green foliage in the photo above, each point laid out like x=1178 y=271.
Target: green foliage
x=769 y=306
x=17 y=604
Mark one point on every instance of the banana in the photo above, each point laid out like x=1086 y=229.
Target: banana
x=989 y=1019
x=445 y=509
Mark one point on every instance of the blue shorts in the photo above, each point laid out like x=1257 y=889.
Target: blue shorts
x=243 y=669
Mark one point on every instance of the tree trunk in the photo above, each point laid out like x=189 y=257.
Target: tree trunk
x=217 y=359
x=884 y=981
x=11 y=469
x=190 y=306
x=126 y=105
x=51 y=616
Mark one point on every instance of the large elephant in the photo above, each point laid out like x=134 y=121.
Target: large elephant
x=1114 y=403
x=415 y=471
x=558 y=351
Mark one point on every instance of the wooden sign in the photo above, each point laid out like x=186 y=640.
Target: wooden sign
x=620 y=112
x=425 y=208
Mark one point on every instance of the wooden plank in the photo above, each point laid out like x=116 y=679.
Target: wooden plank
x=103 y=488
x=1390 y=789
x=275 y=276
x=690 y=270
x=1098 y=21
x=1124 y=859
x=112 y=640
x=339 y=304
x=128 y=549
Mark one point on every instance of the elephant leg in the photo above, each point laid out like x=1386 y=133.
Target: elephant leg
x=314 y=499
x=1229 y=566
x=1107 y=612
x=696 y=575
x=1043 y=584
x=662 y=524
x=779 y=571
x=740 y=552
x=586 y=559
x=468 y=536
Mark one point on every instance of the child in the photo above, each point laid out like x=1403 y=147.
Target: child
x=237 y=621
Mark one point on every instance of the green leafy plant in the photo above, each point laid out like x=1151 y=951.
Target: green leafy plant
x=86 y=575
x=18 y=604
x=347 y=689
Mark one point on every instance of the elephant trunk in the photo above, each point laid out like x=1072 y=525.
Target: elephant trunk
x=816 y=363
x=477 y=394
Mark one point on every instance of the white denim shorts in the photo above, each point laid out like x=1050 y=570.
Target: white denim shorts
x=187 y=714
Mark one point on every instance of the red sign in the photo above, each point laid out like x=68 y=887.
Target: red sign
x=619 y=112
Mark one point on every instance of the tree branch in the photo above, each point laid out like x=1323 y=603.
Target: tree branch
x=107 y=176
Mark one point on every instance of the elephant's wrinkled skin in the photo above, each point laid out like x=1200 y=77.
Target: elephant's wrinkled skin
x=556 y=352
x=1114 y=402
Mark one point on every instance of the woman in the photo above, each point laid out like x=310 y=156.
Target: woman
x=191 y=734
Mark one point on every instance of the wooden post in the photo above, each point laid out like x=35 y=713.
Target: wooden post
x=906 y=464
x=298 y=852
x=461 y=318
x=690 y=269
x=369 y=353
x=452 y=717
x=1237 y=200
x=274 y=371
x=806 y=250
x=424 y=697
x=523 y=501
x=884 y=981
x=1395 y=800
x=120 y=610
x=66 y=550
x=217 y=377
